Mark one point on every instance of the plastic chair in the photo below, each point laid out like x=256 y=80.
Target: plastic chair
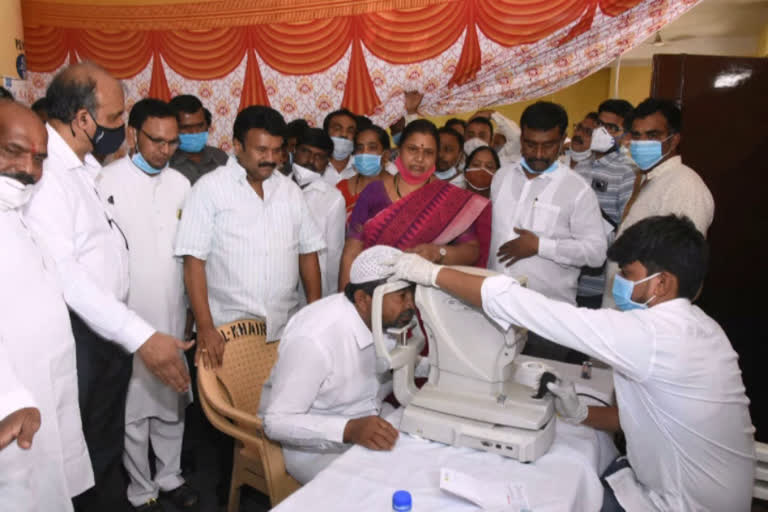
x=230 y=396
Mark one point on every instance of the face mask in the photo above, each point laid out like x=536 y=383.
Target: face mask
x=139 y=161
x=580 y=156
x=411 y=178
x=368 y=164
x=193 y=142
x=647 y=153
x=396 y=138
x=601 y=140
x=342 y=148
x=106 y=141
x=467 y=174
x=446 y=174
x=548 y=169
x=13 y=193
x=622 y=293
x=472 y=144
x=304 y=176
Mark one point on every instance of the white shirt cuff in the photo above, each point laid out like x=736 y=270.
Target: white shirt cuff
x=134 y=333
x=334 y=426
x=15 y=400
x=547 y=248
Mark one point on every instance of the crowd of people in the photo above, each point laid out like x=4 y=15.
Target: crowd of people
x=111 y=273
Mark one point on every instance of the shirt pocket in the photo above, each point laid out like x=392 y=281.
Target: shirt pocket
x=544 y=218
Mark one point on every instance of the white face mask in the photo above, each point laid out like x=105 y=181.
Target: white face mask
x=391 y=168
x=342 y=148
x=304 y=176
x=446 y=174
x=580 y=156
x=13 y=193
x=472 y=144
x=601 y=140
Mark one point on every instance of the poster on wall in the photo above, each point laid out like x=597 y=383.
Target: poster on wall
x=13 y=62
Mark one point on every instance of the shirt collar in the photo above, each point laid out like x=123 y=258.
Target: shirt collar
x=207 y=156
x=361 y=332
x=239 y=173
x=559 y=170
x=664 y=167
x=65 y=156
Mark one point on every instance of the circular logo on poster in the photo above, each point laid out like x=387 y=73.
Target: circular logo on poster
x=21 y=66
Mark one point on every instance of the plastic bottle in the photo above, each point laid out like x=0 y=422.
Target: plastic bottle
x=401 y=501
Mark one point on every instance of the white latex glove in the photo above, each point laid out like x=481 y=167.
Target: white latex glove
x=567 y=402
x=415 y=269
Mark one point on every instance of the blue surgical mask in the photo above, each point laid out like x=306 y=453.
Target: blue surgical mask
x=368 y=164
x=139 y=161
x=396 y=138
x=622 y=292
x=446 y=174
x=342 y=148
x=548 y=169
x=647 y=153
x=193 y=142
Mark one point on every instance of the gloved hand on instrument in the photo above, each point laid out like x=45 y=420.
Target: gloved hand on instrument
x=415 y=269
x=567 y=403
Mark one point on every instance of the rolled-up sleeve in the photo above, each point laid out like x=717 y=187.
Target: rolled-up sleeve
x=195 y=233
x=310 y=236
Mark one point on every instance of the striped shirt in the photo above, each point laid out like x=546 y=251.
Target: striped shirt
x=251 y=245
x=612 y=178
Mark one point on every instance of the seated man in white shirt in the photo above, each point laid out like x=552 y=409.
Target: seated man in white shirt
x=322 y=395
x=313 y=150
x=546 y=218
x=680 y=397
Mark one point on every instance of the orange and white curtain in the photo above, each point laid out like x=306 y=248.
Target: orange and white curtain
x=309 y=57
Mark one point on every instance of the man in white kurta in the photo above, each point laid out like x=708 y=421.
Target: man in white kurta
x=325 y=202
x=322 y=394
x=681 y=400
x=37 y=349
x=147 y=203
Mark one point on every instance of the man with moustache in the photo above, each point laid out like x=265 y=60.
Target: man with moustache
x=322 y=395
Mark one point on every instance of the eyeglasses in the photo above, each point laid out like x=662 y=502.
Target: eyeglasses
x=612 y=128
x=317 y=156
x=172 y=144
x=578 y=127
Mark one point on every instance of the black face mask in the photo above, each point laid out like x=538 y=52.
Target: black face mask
x=106 y=141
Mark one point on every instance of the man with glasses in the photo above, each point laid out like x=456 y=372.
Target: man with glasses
x=664 y=185
x=194 y=157
x=611 y=174
x=580 y=152
x=147 y=198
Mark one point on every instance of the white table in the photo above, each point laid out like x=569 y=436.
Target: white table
x=565 y=479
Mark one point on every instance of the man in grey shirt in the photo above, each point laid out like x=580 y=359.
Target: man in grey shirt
x=194 y=157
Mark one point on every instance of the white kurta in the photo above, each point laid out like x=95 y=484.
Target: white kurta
x=148 y=209
x=37 y=368
x=328 y=208
x=682 y=403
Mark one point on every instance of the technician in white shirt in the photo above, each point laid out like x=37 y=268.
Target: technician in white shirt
x=322 y=395
x=341 y=127
x=681 y=400
x=326 y=204
x=546 y=219
x=147 y=198
x=70 y=221
x=38 y=377
x=246 y=236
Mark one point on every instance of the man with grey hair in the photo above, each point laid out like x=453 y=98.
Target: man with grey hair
x=90 y=254
x=322 y=395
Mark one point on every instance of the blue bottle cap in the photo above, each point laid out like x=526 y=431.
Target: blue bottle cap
x=401 y=501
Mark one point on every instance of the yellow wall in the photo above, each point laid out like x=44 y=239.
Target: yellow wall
x=582 y=97
x=762 y=46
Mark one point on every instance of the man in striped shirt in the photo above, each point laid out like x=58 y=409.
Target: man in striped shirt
x=612 y=176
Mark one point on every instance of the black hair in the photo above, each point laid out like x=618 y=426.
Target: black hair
x=666 y=243
x=485 y=148
x=295 y=128
x=380 y=132
x=455 y=120
x=621 y=108
x=340 y=112
x=543 y=116
x=208 y=116
x=148 y=107
x=482 y=120
x=187 y=104
x=368 y=288
x=258 y=117
x=317 y=138
x=421 y=126
x=666 y=108
x=453 y=133
x=5 y=93
x=594 y=116
x=363 y=122
x=69 y=92
x=41 y=105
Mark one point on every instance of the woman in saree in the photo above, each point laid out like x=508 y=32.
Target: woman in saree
x=416 y=212
x=370 y=158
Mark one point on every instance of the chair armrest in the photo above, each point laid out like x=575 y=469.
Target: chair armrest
x=243 y=418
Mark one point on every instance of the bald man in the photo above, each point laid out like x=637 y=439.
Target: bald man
x=75 y=225
x=43 y=469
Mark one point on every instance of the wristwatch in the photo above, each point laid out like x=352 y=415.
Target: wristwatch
x=443 y=253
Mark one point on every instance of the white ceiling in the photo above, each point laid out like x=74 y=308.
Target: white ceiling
x=714 y=27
